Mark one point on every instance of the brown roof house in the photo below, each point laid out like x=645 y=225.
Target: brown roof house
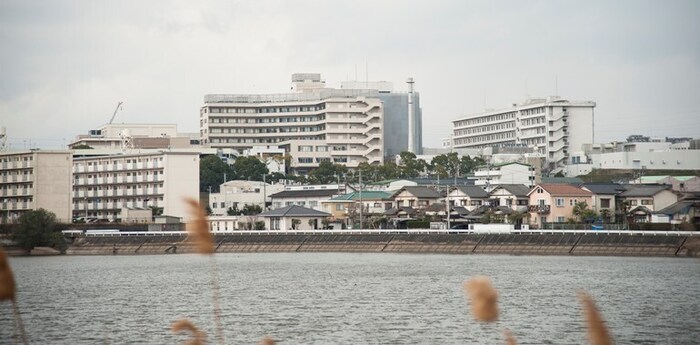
x=554 y=203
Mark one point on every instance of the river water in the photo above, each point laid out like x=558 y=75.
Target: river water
x=342 y=298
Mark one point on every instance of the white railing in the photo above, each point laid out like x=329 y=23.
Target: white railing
x=411 y=231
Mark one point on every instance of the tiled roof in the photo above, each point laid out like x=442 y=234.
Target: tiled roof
x=563 y=189
x=570 y=180
x=643 y=190
x=366 y=195
x=515 y=189
x=294 y=211
x=473 y=191
x=309 y=193
x=422 y=192
x=604 y=188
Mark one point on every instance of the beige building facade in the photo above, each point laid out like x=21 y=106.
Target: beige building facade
x=104 y=186
x=35 y=179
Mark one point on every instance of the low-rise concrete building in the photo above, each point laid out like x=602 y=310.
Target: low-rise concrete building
x=104 y=185
x=237 y=194
x=506 y=173
x=307 y=196
x=35 y=179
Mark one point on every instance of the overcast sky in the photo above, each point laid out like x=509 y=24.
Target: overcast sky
x=65 y=64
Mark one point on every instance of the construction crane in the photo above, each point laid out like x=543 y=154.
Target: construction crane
x=119 y=106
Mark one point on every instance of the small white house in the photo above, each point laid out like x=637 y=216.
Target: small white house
x=294 y=217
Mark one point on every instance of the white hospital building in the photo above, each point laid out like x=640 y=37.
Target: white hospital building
x=552 y=126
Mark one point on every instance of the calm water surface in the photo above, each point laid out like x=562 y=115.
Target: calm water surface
x=319 y=298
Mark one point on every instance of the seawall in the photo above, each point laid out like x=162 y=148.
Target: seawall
x=515 y=244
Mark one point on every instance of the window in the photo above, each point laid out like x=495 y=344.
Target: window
x=559 y=202
x=339 y=207
x=274 y=223
x=647 y=202
x=633 y=202
x=604 y=203
x=561 y=219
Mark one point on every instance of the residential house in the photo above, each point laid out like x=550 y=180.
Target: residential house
x=604 y=198
x=417 y=197
x=347 y=205
x=554 y=203
x=683 y=184
x=294 y=217
x=686 y=210
x=514 y=196
x=469 y=197
x=307 y=196
x=641 y=201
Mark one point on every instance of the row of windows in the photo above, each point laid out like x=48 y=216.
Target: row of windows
x=244 y=130
x=154 y=185
x=16 y=159
x=234 y=110
x=535 y=111
x=286 y=119
x=488 y=128
x=261 y=140
x=16 y=173
x=106 y=163
x=488 y=137
x=485 y=119
x=533 y=121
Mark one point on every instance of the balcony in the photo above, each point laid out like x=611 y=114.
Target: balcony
x=539 y=209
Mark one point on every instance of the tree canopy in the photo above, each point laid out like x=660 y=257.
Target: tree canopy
x=211 y=173
x=250 y=168
x=327 y=172
x=36 y=229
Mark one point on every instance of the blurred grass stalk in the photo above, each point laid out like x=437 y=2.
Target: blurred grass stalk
x=198 y=229
x=8 y=291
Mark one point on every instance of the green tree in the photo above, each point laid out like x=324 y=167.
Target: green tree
x=211 y=173
x=37 y=229
x=250 y=168
x=233 y=210
x=327 y=172
x=249 y=210
x=295 y=223
x=583 y=213
x=410 y=166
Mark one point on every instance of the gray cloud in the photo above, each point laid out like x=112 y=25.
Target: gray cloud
x=65 y=65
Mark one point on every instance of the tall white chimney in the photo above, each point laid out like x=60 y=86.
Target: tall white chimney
x=411 y=117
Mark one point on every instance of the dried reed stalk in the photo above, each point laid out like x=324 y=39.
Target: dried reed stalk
x=198 y=337
x=483 y=298
x=267 y=341
x=510 y=340
x=198 y=228
x=8 y=291
x=203 y=239
x=597 y=332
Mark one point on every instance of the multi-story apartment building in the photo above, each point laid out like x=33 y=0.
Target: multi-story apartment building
x=314 y=123
x=551 y=126
x=106 y=185
x=35 y=179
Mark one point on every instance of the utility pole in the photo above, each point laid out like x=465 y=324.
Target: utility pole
x=264 y=208
x=361 y=207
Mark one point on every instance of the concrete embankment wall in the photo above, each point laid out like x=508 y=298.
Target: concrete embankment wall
x=519 y=244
